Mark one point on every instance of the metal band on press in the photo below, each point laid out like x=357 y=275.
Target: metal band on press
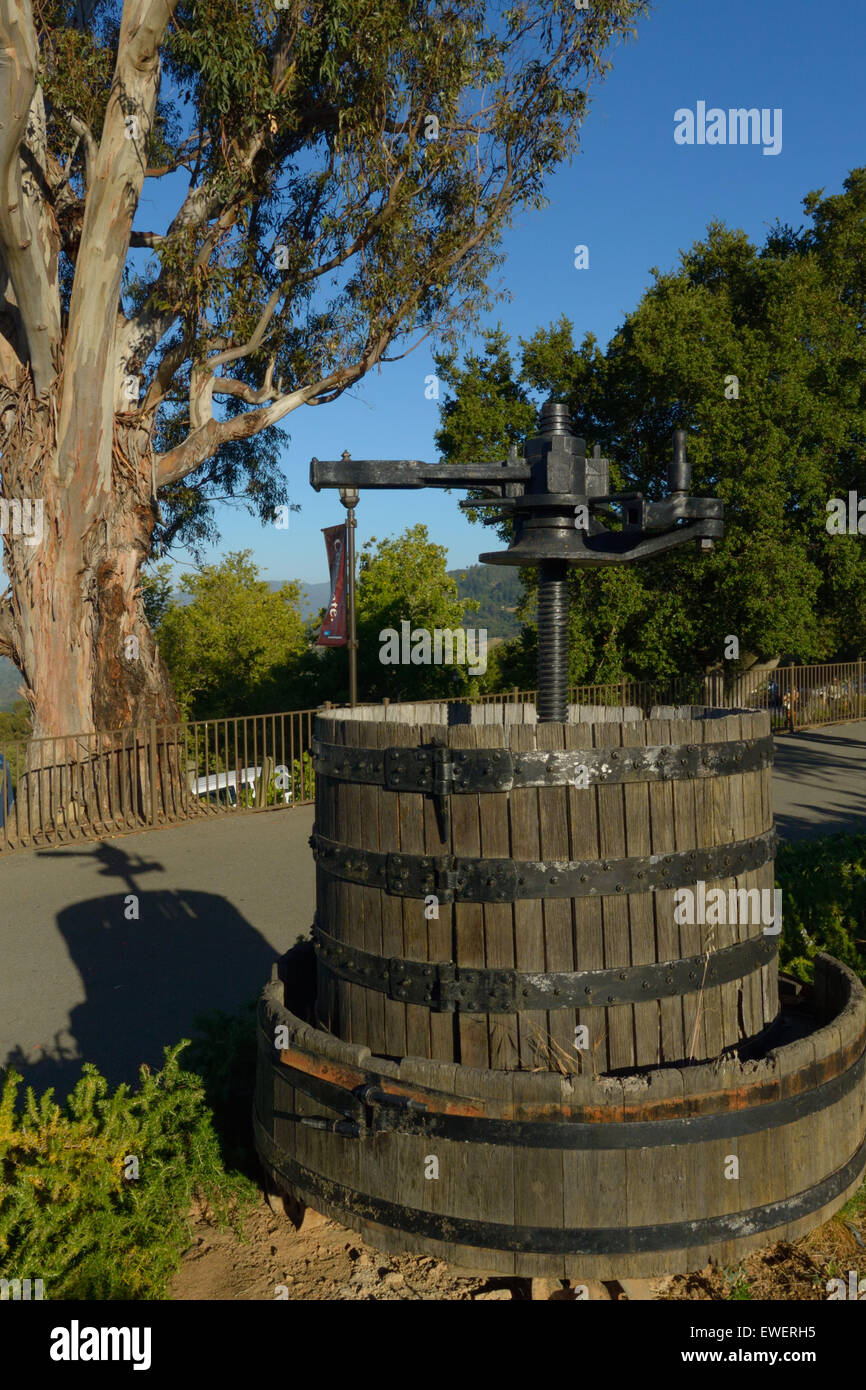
x=447 y=988
x=455 y=879
x=439 y=770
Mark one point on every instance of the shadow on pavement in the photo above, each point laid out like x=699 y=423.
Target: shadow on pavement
x=827 y=771
x=150 y=962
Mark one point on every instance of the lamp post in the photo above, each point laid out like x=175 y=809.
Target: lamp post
x=349 y=498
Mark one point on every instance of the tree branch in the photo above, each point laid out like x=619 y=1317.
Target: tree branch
x=269 y=390
x=28 y=242
x=151 y=239
x=85 y=427
x=207 y=434
x=140 y=334
x=85 y=135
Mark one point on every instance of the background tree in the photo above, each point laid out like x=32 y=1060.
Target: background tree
x=346 y=170
x=156 y=592
x=228 y=647
x=400 y=578
x=760 y=354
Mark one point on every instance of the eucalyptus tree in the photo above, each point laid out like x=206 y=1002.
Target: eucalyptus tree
x=330 y=181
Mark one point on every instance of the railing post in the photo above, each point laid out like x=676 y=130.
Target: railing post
x=153 y=771
x=860 y=688
x=263 y=781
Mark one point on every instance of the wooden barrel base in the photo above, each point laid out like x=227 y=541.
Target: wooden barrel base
x=537 y=1174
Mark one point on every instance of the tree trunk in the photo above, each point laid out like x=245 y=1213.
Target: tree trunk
x=90 y=664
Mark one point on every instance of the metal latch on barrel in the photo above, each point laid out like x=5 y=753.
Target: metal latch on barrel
x=448 y=878
x=441 y=770
x=383 y=1112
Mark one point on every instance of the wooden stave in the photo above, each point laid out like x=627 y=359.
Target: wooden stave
x=490 y=1179
x=622 y=1037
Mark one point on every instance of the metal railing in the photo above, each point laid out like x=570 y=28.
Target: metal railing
x=88 y=786
x=797 y=697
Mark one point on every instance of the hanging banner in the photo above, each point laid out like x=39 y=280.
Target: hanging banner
x=333 y=633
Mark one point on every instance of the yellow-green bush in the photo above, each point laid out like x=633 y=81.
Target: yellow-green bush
x=71 y=1216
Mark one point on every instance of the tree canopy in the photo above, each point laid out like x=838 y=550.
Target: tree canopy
x=227 y=648
x=348 y=168
x=759 y=353
x=403 y=579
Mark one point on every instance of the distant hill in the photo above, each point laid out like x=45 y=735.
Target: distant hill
x=10 y=679
x=313 y=598
x=497 y=589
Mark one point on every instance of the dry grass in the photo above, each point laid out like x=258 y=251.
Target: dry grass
x=782 y=1272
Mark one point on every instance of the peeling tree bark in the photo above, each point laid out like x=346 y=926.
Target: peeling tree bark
x=73 y=621
x=74 y=441
x=30 y=243
x=75 y=625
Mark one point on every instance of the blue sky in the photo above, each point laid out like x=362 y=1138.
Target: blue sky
x=635 y=198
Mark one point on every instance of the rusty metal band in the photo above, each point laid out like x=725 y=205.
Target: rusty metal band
x=371 y=1109
x=439 y=770
x=453 y=879
x=545 y=1240
x=444 y=987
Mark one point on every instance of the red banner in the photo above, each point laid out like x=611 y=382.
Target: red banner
x=333 y=633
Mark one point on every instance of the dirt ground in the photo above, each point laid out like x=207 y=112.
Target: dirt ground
x=323 y=1260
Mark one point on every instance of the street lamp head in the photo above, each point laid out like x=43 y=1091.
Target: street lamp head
x=349 y=496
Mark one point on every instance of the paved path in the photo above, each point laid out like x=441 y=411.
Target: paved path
x=819 y=781
x=217 y=902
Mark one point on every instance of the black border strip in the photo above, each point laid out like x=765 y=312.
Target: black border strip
x=543 y=1240
x=570 y=1134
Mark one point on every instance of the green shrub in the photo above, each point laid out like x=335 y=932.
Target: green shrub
x=71 y=1214
x=823 y=886
x=223 y=1054
x=303 y=778
x=737 y=1285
